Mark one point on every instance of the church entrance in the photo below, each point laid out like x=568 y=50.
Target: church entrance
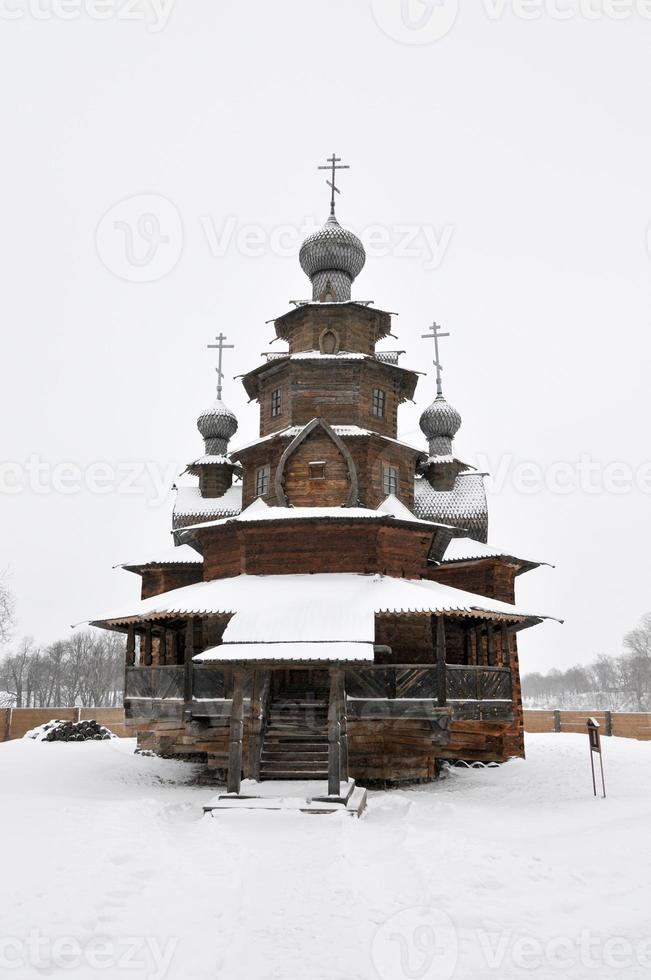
x=305 y=684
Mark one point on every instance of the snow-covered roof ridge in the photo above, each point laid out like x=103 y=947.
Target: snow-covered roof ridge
x=260 y=511
x=321 y=607
x=352 y=431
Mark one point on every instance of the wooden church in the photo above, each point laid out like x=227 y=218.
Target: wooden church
x=331 y=608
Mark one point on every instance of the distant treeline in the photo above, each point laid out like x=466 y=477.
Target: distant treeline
x=86 y=670
x=621 y=683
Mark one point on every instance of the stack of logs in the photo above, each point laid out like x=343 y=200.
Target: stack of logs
x=76 y=731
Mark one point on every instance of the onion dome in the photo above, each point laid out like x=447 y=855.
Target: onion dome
x=332 y=258
x=440 y=424
x=217 y=425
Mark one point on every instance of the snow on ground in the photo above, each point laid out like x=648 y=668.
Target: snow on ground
x=109 y=869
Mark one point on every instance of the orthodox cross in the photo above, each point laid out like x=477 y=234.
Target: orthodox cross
x=221 y=347
x=436 y=335
x=334 y=164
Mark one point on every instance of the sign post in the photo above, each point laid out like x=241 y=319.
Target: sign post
x=595 y=747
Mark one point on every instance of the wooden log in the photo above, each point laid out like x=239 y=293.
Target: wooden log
x=236 y=734
x=334 y=736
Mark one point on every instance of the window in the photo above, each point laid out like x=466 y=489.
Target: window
x=379 y=402
x=276 y=404
x=262 y=481
x=390 y=480
x=317 y=469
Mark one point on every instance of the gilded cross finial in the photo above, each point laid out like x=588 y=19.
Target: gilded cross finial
x=435 y=334
x=221 y=347
x=334 y=164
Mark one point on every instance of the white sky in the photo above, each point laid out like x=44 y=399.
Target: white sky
x=521 y=145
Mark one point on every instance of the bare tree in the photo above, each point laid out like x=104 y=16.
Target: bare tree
x=6 y=609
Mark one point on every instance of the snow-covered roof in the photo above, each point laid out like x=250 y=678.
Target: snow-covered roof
x=341 y=652
x=311 y=608
x=260 y=511
x=351 y=431
x=317 y=355
x=209 y=460
x=181 y=555
x=464 y=505
x=467 y=549
x=190 y=503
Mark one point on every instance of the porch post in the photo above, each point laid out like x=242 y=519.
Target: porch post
x=131 y=645
x=334 y=736
x=506 y=653
x=187 y=677
x=162 y=647
x=148 y=655
x=343 y=722
x=236 y=733
x=441 y=672
x=490 y=642
x=130 y=657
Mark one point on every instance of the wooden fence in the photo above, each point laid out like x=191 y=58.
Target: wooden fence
x=14 y=722
x=625 y=724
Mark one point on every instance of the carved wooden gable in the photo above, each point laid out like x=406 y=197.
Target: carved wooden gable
x=316 y=470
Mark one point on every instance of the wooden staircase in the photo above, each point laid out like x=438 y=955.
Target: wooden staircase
x=296 y=740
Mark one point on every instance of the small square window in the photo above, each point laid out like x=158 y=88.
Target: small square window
x=379 y=402
x=262 y=481
x=317 y=469
x=276 y=403
x=390 y=480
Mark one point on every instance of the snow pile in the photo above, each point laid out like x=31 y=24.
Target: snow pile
x=70 y=731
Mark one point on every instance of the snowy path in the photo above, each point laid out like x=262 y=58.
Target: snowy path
x=109 y=854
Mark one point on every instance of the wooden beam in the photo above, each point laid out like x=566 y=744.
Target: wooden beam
x=441 y=671
x=236 y=734
x=468 y=645
x=334 y=736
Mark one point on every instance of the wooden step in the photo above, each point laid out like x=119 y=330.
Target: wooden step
x=295 y=774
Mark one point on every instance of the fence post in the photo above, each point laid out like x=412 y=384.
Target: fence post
x=77 y=714
x=557 y=721
x=8 y=716
x=609 y=723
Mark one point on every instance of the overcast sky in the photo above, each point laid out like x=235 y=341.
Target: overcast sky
x=500 y=177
